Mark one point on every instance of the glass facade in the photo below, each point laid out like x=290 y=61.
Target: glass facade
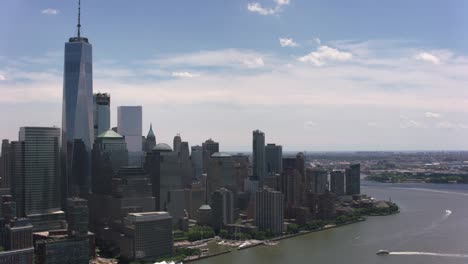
x=101 y=113
x=77 y=117
x=36 y=170
x=258 y=156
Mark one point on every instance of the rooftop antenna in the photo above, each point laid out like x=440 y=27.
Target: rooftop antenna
x=79 y=18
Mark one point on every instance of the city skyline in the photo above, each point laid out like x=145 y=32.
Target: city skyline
x=398 y=90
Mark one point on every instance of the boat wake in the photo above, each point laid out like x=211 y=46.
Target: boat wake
x=411 y=253
x=430 y=190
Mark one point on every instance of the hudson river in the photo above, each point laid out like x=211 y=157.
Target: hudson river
x=431 y=228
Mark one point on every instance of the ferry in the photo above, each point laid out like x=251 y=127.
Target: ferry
x=382 y=252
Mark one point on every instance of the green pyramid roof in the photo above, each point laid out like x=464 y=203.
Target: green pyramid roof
x=110 y=134
x=151 y=133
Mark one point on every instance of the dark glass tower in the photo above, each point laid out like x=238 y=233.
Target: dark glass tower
x=77 y=116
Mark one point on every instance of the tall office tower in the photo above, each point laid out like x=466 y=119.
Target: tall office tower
x=147 y=236
x=131 y=192
x=153 y=167
x=209 y=147
x=184 y=155
x=172 y=173
x=222 y=204
x=129 y=122
x=326 y=206
x=258 y=156
x=221 y=173
x=150 y=141
x=242 y=166
x=197 y=162
x=5 y=162
x=337 y=182
x=291 y=183
x=108 y=156
x=269 y=210
x=274 y=159
x=316 y=180
x=77 y=116
x=300 y=164
x=311 y=203
x=35 y=170
x=178 y=205
x=177 y=143
x=353 y=179
x=101 y=113
x=77 y=217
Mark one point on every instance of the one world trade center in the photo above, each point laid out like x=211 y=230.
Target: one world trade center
x=77 y=116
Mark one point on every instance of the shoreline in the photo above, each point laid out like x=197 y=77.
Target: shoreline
x=301 y=233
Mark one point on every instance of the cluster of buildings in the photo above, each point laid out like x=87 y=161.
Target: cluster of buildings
x=66 y=190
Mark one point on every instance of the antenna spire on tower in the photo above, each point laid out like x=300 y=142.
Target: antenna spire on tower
x=79 y=18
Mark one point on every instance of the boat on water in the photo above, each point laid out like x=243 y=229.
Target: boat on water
x=271 y=243
x=382 y=252
x=245 y=244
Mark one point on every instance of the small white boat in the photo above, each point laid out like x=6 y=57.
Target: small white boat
x=245 y=244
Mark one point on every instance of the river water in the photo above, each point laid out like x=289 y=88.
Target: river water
x=431 y=228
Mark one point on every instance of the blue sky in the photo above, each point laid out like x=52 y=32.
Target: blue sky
x=313 y=75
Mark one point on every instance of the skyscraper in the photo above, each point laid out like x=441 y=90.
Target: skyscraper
x=222 y=173
x=353 y=180
x=101 y=113
x=177 y=143
x=150 y=140
x=36 y=174
x=209 y=147
x=274 y=158
x=258 y=156
x=129 y=122
x=197 y=162
x=222 y=204
x=337 y=182
x=269 y=210
x=108 y=156
x=77 y=116
x=317 y=179
x=5 y=164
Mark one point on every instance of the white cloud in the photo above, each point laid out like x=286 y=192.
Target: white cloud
x=287 y=42
x=427 y=57
x=324 y=54
x=2 y=77
x=451 y=125
x=318 y=41
x=258 y=8
x=310 y=125
x=50 y=11
x=230 y=58
x=254 y=63
x=432 y=115
x=185 y=75
x=282 y=2
x=406 y=122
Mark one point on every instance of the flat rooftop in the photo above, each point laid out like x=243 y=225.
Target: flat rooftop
x=148 y=216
